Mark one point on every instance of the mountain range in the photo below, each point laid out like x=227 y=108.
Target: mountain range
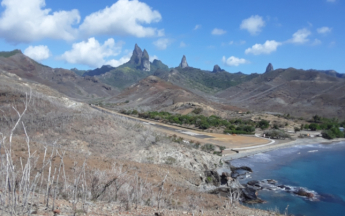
x=154 y=84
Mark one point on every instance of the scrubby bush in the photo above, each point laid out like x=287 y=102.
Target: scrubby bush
x=277 y=134
x=263 y=124
x=197 y=110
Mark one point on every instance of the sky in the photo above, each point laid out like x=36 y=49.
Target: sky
x=237 y=35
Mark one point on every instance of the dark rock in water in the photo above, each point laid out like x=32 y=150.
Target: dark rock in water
x=216 y=68
x=271 y=181
x=269 y=68
x=250 y=196
x=304 y=193
x=136 y=56
x=183 y=63
x=212 y=177
x=233 y=169
x=145 y=61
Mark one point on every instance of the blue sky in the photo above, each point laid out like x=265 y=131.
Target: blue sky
x=237 y=35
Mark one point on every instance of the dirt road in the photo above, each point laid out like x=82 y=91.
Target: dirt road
x=228 y=141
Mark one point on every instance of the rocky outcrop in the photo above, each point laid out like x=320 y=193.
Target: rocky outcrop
x=216 y=69
x=212 y=177
x=90 y=78
x=145 y=61
x=136 y=56
x=183 y=63
x=269 y=68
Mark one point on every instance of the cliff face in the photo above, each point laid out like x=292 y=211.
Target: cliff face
x=269 y=68
x=136 y=56
x=183 y=63
x=145 y=61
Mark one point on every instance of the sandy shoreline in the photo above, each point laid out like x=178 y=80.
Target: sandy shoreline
x=282 y=144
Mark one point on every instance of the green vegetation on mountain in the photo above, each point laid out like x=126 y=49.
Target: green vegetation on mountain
x=10 y=53
x=205 y=81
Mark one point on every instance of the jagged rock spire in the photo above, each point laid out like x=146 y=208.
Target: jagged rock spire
x=137 y=54
x=145 y=61
x=269 y=68
x=183 y=63
x=216 y=68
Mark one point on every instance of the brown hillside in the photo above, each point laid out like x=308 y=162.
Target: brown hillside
x=154 y=93
x=65 y=81
x=298 y=92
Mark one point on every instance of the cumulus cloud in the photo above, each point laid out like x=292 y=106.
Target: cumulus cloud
x=197 y=27
x=162 y=43
x=153 y=58
x=218 y=31
x=27 y=21
x=234 y=61
x=300 y=37
x=121 y=61
x=123 y=18
x=316 y=42
x=324 y=30
x=37 y=53
x=266 y=48
x=182 y=44
x=92 y=53
x=253 y=24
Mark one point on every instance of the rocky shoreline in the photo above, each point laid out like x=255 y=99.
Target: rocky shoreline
x=230 y=179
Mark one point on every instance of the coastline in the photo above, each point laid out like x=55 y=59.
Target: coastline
x=297 y=142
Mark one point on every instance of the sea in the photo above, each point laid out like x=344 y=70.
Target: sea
x=318 y=168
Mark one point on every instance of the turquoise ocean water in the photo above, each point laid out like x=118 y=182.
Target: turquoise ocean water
x=319 y=168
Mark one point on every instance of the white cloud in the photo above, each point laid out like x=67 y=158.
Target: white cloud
x=316 y=42
x=153 y=58
x=197 y=27
x=162 y=43
x=27 y=21
x=37 y=53
x=123 y=18
x=324 y=30
x=182 y=44
x=121 y=61
x=92 y=53
x=234 y=61
x=300 y=37
x=253 y=24
x=266 y=48
x=218 y=31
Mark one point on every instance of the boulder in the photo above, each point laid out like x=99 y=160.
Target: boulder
x=249 y=195
x=304 y=193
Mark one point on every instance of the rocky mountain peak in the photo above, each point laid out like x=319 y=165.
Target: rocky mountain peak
x=183 y=63
x=216 y=68
x=145 y=61
x=269 y=68
x=137 y=54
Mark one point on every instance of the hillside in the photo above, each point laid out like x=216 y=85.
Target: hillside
x=65 y=81
x=297 y=92
x=199 y=80
x=154 y=93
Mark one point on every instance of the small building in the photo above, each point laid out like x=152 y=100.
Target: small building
x=341 y=129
